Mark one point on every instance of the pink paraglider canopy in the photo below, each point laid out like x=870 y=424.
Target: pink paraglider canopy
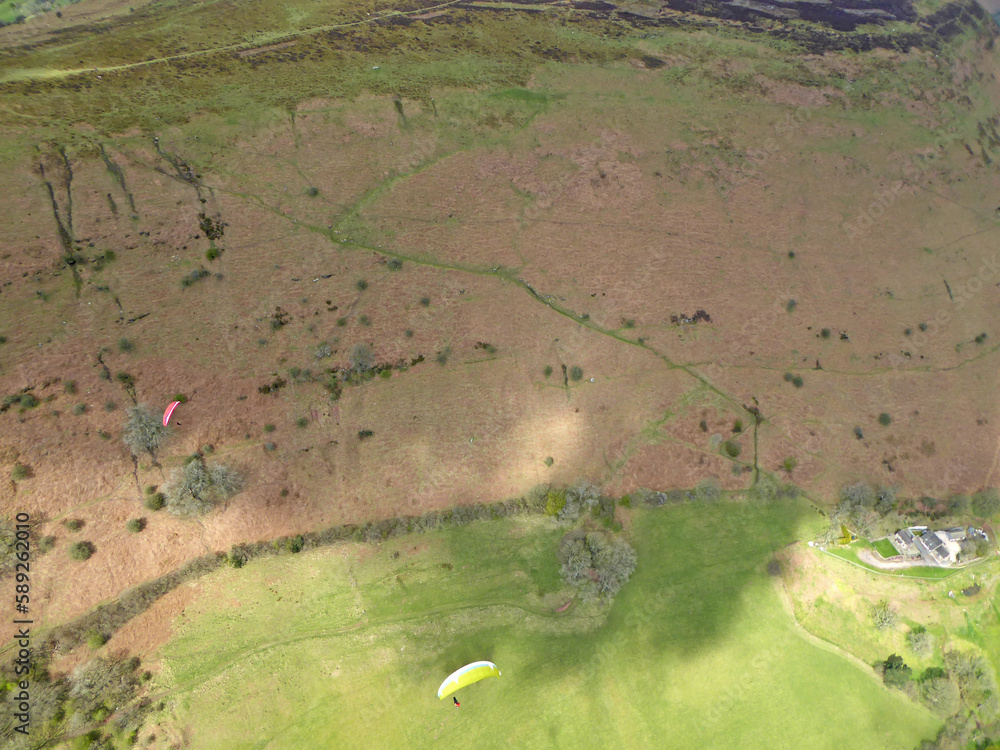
x=169 y=411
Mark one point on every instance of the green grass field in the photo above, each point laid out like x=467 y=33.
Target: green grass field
x=346 y=647
x=884 y=547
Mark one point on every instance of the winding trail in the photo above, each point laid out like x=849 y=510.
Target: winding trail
x=267 y=39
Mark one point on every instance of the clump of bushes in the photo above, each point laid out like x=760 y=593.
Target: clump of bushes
x=144 y=431
x=597 y=563
x=732 y=448
x=197 y=488
x=135 y=525
x=576 y=373
x=986 y=503
x=576 y=500
x=195 y=276
x=20 y=472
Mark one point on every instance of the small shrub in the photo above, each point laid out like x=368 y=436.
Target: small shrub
x=797 y=381
x=548 y=371
x=737 y=426
x=125 y=345
x=408 y=333
x=269 y=427
x=575 y=373
x=79 y=409
x=628 y=323
x=361 y=284
x=365 y=434
x=425 y=301
x=45 y=544
x=20 y=472
x=73 y=524
x=69 y=387
x=28 y=401
x=825 y=333
x=884 y=419
x=549 y=461
x=295 y=544
x=96 y=639
x=212 y=253
x=81 y=551
x=789 y=464
x=442 y=356
x=788 y=377
x=270 y=447
x=135 y=525
x=884 y=617
x=859 y=433
x=312 y=191
x=394 y=264
x=302 y=422
x=922 y=327
x=732 y=448
x=364 y=320
x=155 y=502
x=386 y=373
x=110 y=406
x=919 y=641
x=341 y=322
x=125 y=379
x=791 y=305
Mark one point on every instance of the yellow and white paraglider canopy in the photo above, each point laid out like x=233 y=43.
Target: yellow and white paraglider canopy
x=467 y=675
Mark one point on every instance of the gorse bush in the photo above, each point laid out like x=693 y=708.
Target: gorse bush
x=144 y=431
x=196 y=488
x=81 y=551
x=155 y=501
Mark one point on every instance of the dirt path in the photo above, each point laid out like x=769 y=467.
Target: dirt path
x=279 y=39
x=786 y=603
